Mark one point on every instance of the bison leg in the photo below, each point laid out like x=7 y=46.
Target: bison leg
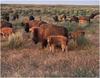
x=52 y=48
x=44 y=43
x=63 y=47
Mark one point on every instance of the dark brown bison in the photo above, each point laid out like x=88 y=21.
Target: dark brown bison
x=74 y=18
x=33 y=23
x=55 y=18
x=15 y=16
x=93 y=14
x=59 y=18
x=53 y=41
x=41 y=33
x=5 y=24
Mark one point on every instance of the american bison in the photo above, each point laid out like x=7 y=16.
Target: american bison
x=93 y=14
x=74 y=18
x=34 y=23
x=55 y=18
x=62 y=17
x=5 y=24
x=15 y=16
x=74 y=35
x=84 y=18
x=59 y=18
x=41 y=33
x=53 y=41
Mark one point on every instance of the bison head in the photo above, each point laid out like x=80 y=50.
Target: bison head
x=26 y=27
x=35 y=37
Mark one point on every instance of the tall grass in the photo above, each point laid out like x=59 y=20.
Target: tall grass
x=15 y=40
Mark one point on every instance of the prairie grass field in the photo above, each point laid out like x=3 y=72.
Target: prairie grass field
x=20 y=57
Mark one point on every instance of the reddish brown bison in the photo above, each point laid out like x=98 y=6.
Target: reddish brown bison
x=6 y=31
x=41 y=33
x=59 y=18
x=34 y=23
x=53 y=41
x=84 y=18
x=74 y=35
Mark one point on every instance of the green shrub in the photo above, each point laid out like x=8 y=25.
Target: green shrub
x=82 y=41
x=15 y=40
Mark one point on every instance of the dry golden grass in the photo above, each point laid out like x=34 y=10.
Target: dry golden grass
x=32 y=61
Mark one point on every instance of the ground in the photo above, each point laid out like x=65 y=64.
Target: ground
x=33 y=61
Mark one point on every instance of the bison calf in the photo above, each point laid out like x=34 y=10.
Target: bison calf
x=74 y=35
x=54 y=41
x=6 y=31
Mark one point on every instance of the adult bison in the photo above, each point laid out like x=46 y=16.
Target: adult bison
x=15 y=16
x=5 y=24
x=41 y=33
x=31 y=22
x=55 y=18
x=84 y=18
x=93 y=14
x=74 y=18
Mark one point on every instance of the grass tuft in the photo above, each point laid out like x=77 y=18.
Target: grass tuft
x=15 y=40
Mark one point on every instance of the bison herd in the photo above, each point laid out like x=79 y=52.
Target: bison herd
x=49 y=35
x=77 y=19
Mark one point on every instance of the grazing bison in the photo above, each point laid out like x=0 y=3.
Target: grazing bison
x=55 y=18
x=26 y=19
x=53 y=41
x=84 y=18
x=74 y=18
x=5 y=24
x=62 y=17
x=94 y=14
x=6 y=31
x=41 y=33
x=16 y=16
x=59 y=18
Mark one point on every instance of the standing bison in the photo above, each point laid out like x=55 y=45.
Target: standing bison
x=29 y=22
x=40 y=34
x=5 y=24
x=53 y=41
